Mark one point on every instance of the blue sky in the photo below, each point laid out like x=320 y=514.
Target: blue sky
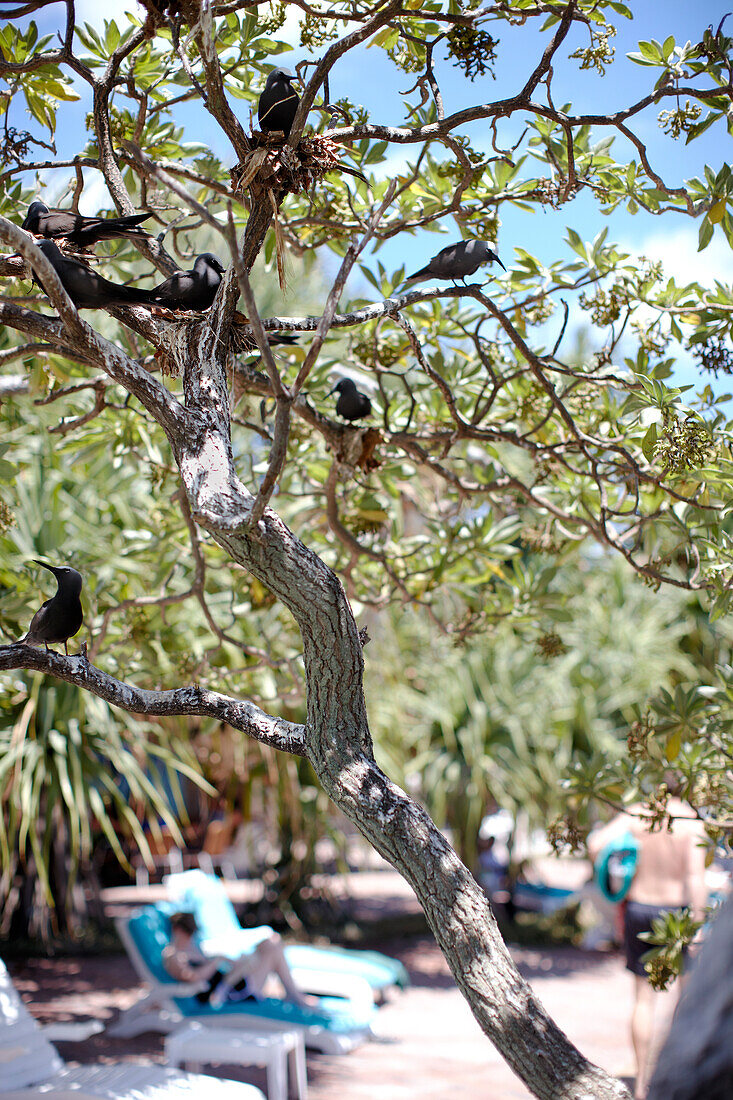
x=367 y=77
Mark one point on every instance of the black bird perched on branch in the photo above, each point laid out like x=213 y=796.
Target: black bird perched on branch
x=59 y=618
x=352 y=403
x=195 y=289
x=456 y=261
x=86 y=288
x=81 y=230
x=278 y=102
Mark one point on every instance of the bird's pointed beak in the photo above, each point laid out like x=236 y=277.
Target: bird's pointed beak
x=331 y=391
x=50 y=568
x=501 y=265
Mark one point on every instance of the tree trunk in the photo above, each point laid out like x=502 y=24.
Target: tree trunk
x=339 y=746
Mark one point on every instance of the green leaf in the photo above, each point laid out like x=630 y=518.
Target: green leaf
x=717 y=211
x=649 y=442
x=673 y=746
x=700 y=127
x=706 y=234
x=651 y=51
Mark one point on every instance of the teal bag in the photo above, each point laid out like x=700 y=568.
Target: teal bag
x=615 y=867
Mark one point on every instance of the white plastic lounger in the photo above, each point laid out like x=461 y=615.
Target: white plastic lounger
x=221 y=934
x=31 y=1068
x=340 y=1022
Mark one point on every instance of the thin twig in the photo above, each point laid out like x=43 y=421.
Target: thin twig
x=326 y=319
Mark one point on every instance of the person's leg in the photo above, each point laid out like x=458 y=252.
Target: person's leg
x=237 y=975
x=642 y=1025
x=269 y=958
x=266 y=959
x=240 y=970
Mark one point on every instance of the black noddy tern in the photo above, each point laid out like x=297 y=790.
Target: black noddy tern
x=352 y=403
x=195 y=289
x=456 y=261
x=79 y=229
x=86 y=288
x=59 y=618
x=278 y=102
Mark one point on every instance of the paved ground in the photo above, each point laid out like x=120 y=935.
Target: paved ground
x=428 y=1044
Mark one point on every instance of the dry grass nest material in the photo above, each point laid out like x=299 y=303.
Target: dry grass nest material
x=241 y=339
x=356 y=448
x=280 y=168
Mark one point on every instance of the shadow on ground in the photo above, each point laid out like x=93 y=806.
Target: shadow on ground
x=558 y=962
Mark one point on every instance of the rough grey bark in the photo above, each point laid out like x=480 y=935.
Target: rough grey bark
x=338 y=744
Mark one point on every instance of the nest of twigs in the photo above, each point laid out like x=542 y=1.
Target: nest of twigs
x=358 y=449
x=274 y=166
x=183 y=326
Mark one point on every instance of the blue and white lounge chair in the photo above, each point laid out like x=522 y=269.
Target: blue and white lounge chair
x=340 y=1022
x=31 y=1068
x=537 y=897
x=220 y=933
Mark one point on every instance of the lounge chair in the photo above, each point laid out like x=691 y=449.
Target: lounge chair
x=338 y=1024
x=537 y=897
x=220 y=933
x=31 y=1068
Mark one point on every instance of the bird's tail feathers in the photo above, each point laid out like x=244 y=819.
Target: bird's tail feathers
x=129 y=227
x=134 y=219
x=352 y=171
x=134 y=296
x=286 y=338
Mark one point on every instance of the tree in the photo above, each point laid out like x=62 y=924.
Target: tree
x=488 y=439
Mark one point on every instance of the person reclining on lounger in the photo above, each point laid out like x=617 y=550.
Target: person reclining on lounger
x=230 y=981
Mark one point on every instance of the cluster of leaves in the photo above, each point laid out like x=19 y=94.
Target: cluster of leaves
x=44 y=86
x=681 y=745
x=686 y=736
x=672 y=933
x=473 y=49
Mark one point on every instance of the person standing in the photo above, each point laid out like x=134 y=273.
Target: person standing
x=670 y=874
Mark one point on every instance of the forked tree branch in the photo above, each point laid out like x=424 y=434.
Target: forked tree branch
x=119 y=366
x=337 y=739
x=329 y=59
